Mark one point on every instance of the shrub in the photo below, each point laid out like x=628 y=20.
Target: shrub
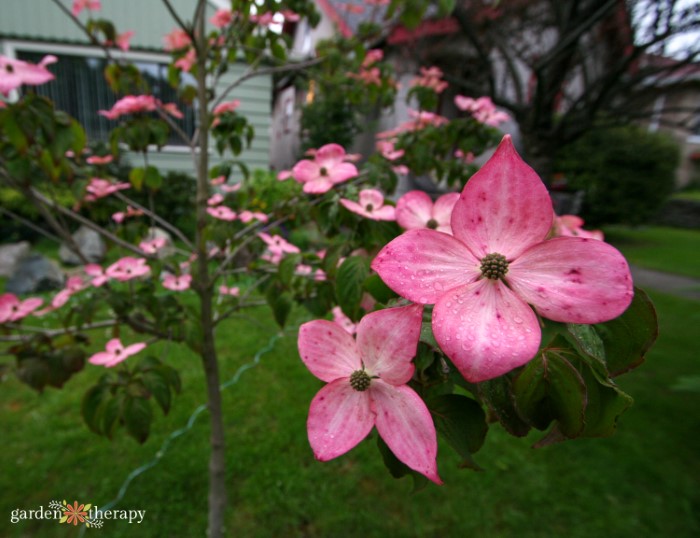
x=626 y=173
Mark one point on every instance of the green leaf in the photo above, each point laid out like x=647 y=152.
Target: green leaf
x=136 y=177
x=462 y=422
x=550 y=388
x=280 y=303
x=606 y=402
x=159 y=388
x=93 y=403
x=111 y=414
x=287 y=268
x=497 y=394
x=137 y=417
x=377 y=289
x=628 y=337
x=349 y=282
x=152 y=178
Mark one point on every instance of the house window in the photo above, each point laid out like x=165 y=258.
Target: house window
x=81 y=90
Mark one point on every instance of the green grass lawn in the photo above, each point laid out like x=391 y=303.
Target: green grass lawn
x=641 y=482
x=672 y=250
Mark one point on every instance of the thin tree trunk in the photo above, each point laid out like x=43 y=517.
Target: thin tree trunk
x=204 y=286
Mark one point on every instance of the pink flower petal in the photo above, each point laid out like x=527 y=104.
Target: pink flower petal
x=387 y=341
x=504 y=208
x=114 y=346
x=442 y=211
x=102 y=358
x=485 y=329
x=318 y=186
x=421 y=265
x=405 y=424
x=339 y=418
x=414 y=210
x=327 y=350
x=371 y=197
x=342 y=172
x=305 y=170
x=330 y=154
x=133 y=349
x=386 y=212
x=573 y=280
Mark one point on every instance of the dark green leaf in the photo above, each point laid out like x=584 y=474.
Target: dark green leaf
x=628 y=337
x=159 y=388
x=397 y=468
x=550 y=388
x=349 y=282
x=462 y=422
x=377 y=289
x=497 y=394
x=93 y=403
x=137 y=417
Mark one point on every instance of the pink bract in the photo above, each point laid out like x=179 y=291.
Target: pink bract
x=483 y=279
x=14 y=73
x=222 y=212
x=572 y=226
x=416 y=210
x=483 y=110
x=222 y=18
x=131 y=104
x=371 y=206
x=80 y=5
x=177 y=39
x=177 y=283
x=99 y=188
x=115 y=353
x=127 y=268
x=367 y=387
x=13 y=309
x=327 y=168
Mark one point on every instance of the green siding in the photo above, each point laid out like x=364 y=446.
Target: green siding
x=41 y=22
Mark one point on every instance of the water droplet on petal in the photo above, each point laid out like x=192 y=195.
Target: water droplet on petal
x=517 y=319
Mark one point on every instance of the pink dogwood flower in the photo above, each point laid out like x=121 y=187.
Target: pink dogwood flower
x=497 y=263
x=100 y=159
x=234 y=291
x=73 y=285
x=572 y=226
x=277 y=247
x=186 y=62
x=176 y=40
x=99 y=188
x=152 y=246
x=371 y=206
x=12 y=309
x=327 y=168
x=80 y=5
x=222 y=212
x=128 y=268
x=97 y=273
x=367 y=387
x=482 y=109
x=14 y=73
x=416 y=210
x=131 y=104
x=119 y=216
x=222 y=18
x=177 y=283
x=215 y=199
x=430 y=77
x=247 y=216
x=115 y=353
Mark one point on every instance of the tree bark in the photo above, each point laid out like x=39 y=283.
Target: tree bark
x=204 y=286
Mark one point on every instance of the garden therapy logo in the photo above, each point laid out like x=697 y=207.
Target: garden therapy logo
x=77 y=514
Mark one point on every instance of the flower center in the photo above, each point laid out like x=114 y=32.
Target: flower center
x=494 y=266
x=432 y=224
x=323 y=171
x=369 y=208
x=9 y=69
x=360 y=380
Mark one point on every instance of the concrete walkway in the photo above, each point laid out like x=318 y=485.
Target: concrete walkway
x=681 y=286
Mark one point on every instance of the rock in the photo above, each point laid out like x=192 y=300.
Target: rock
x=90 y=244
x=35 y=273
x=10 y=255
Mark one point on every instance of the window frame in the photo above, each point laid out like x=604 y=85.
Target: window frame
x=12 y=46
